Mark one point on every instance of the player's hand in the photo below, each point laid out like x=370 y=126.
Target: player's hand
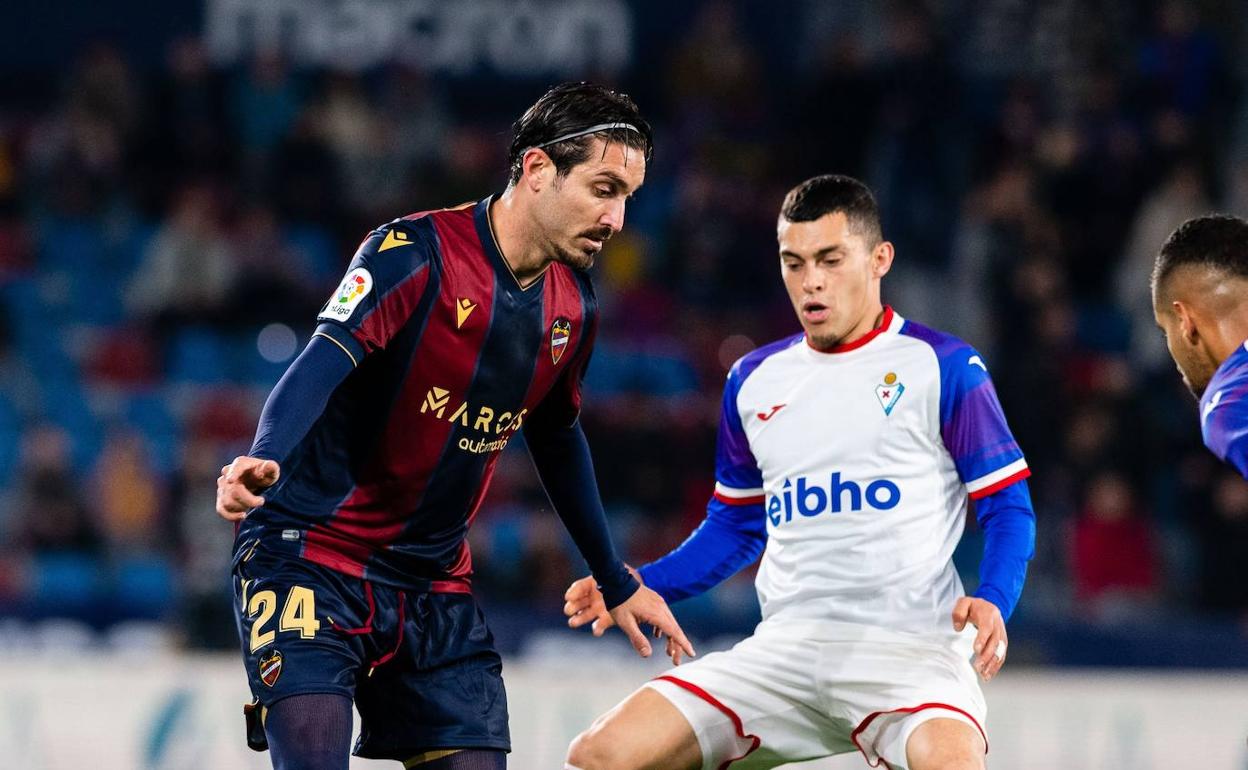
x=240 y=483
x=991 y=641
x=583 y=604
x=646 y=606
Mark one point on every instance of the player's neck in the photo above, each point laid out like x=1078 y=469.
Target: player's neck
x=1229 y=332
x=515 y=241
x=869 y=322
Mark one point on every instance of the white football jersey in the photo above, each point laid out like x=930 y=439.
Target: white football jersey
x=863 y=458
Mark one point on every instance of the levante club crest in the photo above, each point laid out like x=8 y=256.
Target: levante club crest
x=271 y=667
x=559 y=334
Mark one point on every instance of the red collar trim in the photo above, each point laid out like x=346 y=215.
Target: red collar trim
x=885 y=321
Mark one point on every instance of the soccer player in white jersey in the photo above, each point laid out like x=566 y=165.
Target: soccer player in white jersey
x=846 y=457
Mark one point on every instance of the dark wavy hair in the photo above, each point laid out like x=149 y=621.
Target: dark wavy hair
x=571 y=107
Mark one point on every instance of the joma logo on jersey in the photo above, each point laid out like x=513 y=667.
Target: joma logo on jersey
x=485 y=419
x=809 y=499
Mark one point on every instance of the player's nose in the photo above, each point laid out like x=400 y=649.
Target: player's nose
x=613 y=216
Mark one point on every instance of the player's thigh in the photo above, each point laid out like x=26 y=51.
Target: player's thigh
x=442 y=688
x=756 y=705
x=941 y=743
x=286 y=611
x=644 y=732
x=890 y=690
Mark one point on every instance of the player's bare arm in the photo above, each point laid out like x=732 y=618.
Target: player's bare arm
x=240 y=484
x=991 y=640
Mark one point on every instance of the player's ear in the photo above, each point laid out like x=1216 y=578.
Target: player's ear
x=1187 y=323
x=882 y=259
x=538 y=168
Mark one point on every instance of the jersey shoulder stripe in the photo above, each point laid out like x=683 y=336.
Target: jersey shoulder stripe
x=972 y=422
x=749 y=363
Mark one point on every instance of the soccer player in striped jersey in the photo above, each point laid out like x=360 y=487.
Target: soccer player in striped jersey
x=452 y=331
x=846 y=457
x=1200 y=301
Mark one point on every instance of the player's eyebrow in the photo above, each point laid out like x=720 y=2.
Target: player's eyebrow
x=836 y=248
x=615 y=179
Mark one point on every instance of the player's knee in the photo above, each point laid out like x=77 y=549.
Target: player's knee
x=945 y=744
x=594 y=750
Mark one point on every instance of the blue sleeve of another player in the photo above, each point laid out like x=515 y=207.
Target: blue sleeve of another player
x=1226 y=426
x=299 y=398
x=1009 y=525
x=733 y=534
x=729 y=539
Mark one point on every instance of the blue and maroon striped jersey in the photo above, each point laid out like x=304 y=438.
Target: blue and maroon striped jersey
x=452 y=358
x=1224 y=411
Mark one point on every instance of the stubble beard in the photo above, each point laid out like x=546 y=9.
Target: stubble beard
x=575 y=259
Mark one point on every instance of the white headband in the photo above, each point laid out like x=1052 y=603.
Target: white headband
x=584 y=132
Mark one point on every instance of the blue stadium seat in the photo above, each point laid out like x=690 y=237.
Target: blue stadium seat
x=199 y=356
x=146 y=586
x=66 y=405
x=149 y=414
x=66 y=584
x=321 y=252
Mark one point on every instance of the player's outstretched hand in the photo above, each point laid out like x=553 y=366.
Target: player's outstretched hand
x=240 y=483
x=990 y=642
x=583 y=604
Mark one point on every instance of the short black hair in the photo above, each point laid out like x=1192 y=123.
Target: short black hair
x=571 y=107
x=1217 y=241
x=829 y=193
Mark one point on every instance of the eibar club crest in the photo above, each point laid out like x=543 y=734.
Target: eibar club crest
x=889 y=392
x=270 y=667
x=560 y=331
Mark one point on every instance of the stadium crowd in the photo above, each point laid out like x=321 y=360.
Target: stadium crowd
x=167 y=237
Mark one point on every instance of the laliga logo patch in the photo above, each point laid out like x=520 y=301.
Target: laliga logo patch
x=889 y=392
x=270 y=667
x=354 y=288
x=560 y=331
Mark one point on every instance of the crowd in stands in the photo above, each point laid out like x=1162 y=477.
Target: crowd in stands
x=167 y=236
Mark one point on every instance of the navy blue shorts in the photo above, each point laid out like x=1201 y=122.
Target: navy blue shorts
x=421 y=667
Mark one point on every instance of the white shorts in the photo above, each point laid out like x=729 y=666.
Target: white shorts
x=802 y=690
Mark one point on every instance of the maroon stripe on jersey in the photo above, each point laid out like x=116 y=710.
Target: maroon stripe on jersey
x=392 y=310
x=391 y=484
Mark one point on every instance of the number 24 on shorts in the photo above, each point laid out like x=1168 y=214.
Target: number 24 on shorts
x=298 y=614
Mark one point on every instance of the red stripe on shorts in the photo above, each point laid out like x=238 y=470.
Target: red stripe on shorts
x=912 y=710
x=732 y=715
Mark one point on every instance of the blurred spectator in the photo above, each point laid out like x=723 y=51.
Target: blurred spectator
x=1179 y=197
x=128 y=496
x=274 y=279
x=189 y=134
x=265 y=101
x=188 y=266
x=203 y=544
x=1224 y=544
x=1114 y=551
x=51 y=508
